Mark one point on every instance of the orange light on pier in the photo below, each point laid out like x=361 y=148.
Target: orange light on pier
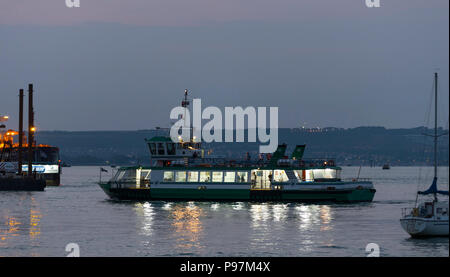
x=11 y=133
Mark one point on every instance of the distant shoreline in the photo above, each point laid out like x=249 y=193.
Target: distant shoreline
x=366 y=146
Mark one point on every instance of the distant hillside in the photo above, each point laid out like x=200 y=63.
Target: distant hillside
x=355 y=146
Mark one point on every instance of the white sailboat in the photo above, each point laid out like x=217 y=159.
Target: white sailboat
x=428 y=218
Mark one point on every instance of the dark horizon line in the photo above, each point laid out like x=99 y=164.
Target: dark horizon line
x=290 y=128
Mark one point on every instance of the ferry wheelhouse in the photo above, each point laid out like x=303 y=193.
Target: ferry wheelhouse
x=183 y=171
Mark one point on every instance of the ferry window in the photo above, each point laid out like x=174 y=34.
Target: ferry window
x=120 y=174
x=145 y=174
x=229 y=176
x=242 y=177
x=298 y=174
x=152 y=147
x=180 y=176
x=309 y=175
x=205 y=176
x=192 y=176
x=160 y=149
x=168 y=176
x=116 y=176
x=217 y=176
x=327 y=173
x=170 y=148
x=318 y=173
x=253 y=178
x=129 y=174
x=280 y=176
x=330 y=173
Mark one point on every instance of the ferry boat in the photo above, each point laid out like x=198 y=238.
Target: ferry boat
x=183 y=170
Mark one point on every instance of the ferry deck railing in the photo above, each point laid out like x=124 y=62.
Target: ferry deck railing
x=310 y=162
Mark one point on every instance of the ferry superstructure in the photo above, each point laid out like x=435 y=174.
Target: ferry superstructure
x=183 y=170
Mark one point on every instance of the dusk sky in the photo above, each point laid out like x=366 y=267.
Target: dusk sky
x=124 y=64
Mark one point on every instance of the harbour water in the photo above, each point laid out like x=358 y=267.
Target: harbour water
x=43 y=223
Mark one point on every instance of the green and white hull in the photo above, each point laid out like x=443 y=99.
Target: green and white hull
x=255 y=190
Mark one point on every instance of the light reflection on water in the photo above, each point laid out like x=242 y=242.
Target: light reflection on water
x=280 y=212
x=186 y=219
x=145 y=212
x=35 y=219
x=260 y=214
x=42 y=223
x=19 y=226
x=10 y=230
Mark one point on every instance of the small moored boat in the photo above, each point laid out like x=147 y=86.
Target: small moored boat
x=429 y=218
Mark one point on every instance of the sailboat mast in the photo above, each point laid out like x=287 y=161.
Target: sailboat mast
x=435 y=128
x=433 y=188
x=435 y=123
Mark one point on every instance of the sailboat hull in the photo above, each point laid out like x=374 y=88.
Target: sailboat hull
x=423 y=227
